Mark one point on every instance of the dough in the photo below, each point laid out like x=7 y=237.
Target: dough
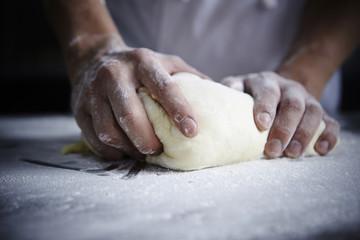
x=227 y=134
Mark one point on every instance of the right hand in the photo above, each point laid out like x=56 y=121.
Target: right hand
x=108 y=110
x=290 y=113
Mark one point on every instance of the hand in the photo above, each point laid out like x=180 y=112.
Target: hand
x=291 y=112
x=108 y=110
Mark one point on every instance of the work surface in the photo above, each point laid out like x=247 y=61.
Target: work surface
x=45 y=195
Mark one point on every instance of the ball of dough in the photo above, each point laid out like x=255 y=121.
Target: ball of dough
x=228 y=133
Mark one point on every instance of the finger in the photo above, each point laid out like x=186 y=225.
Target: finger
x=291 y=109
x=169 y=95
x=109 y=132
x=266 y=92
x=107 y=152
x=233 y=82
x=328 y=138
x=131 y=116
x=306 y=130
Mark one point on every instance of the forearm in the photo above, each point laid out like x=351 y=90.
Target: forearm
x=82 y=27
x=328 y=33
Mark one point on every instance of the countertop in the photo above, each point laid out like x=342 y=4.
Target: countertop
x=46 y=195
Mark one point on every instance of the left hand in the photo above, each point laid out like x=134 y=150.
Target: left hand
x=292 y=113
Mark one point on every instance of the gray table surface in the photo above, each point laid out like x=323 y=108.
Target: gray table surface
x=45 y=195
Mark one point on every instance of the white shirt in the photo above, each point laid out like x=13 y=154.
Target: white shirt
x=217 y=37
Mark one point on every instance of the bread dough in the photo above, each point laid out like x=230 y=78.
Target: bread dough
x=227 y=134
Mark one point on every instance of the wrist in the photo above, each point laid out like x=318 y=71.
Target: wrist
x=91 y=45
x=306 y=77
x=310 y=65
x=84 y=29
x=84 y=50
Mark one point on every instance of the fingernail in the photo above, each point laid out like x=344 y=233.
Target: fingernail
x=188 y=126
x=322 y=147
x=265 y=119
x=274 y=148
x=294 y=149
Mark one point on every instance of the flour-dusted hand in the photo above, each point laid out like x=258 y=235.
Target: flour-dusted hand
x=287 y=102
x=289 y=111
x=105 y=75
x=108 y=110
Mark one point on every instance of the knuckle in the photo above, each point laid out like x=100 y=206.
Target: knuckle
x=106 y=137
x=107 y=72
x=270 y=89
x=297 y=85
x=165 y=85
x=127 y=119
x=294 y=104
x=108 y=78
x=303 y=135
x=282 y=132
x=177 y=115
x=263 y=88
x=293 y=86
x=314 y=108
x=141 y=53
x=265 y=107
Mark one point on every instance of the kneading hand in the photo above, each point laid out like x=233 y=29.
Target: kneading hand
x=291 y=112
x=108 y=110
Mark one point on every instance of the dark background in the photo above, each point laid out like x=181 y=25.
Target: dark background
x=33 y=75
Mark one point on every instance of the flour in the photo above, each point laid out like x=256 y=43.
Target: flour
x=150 y=68
x=75 y=40
x=260 y=199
